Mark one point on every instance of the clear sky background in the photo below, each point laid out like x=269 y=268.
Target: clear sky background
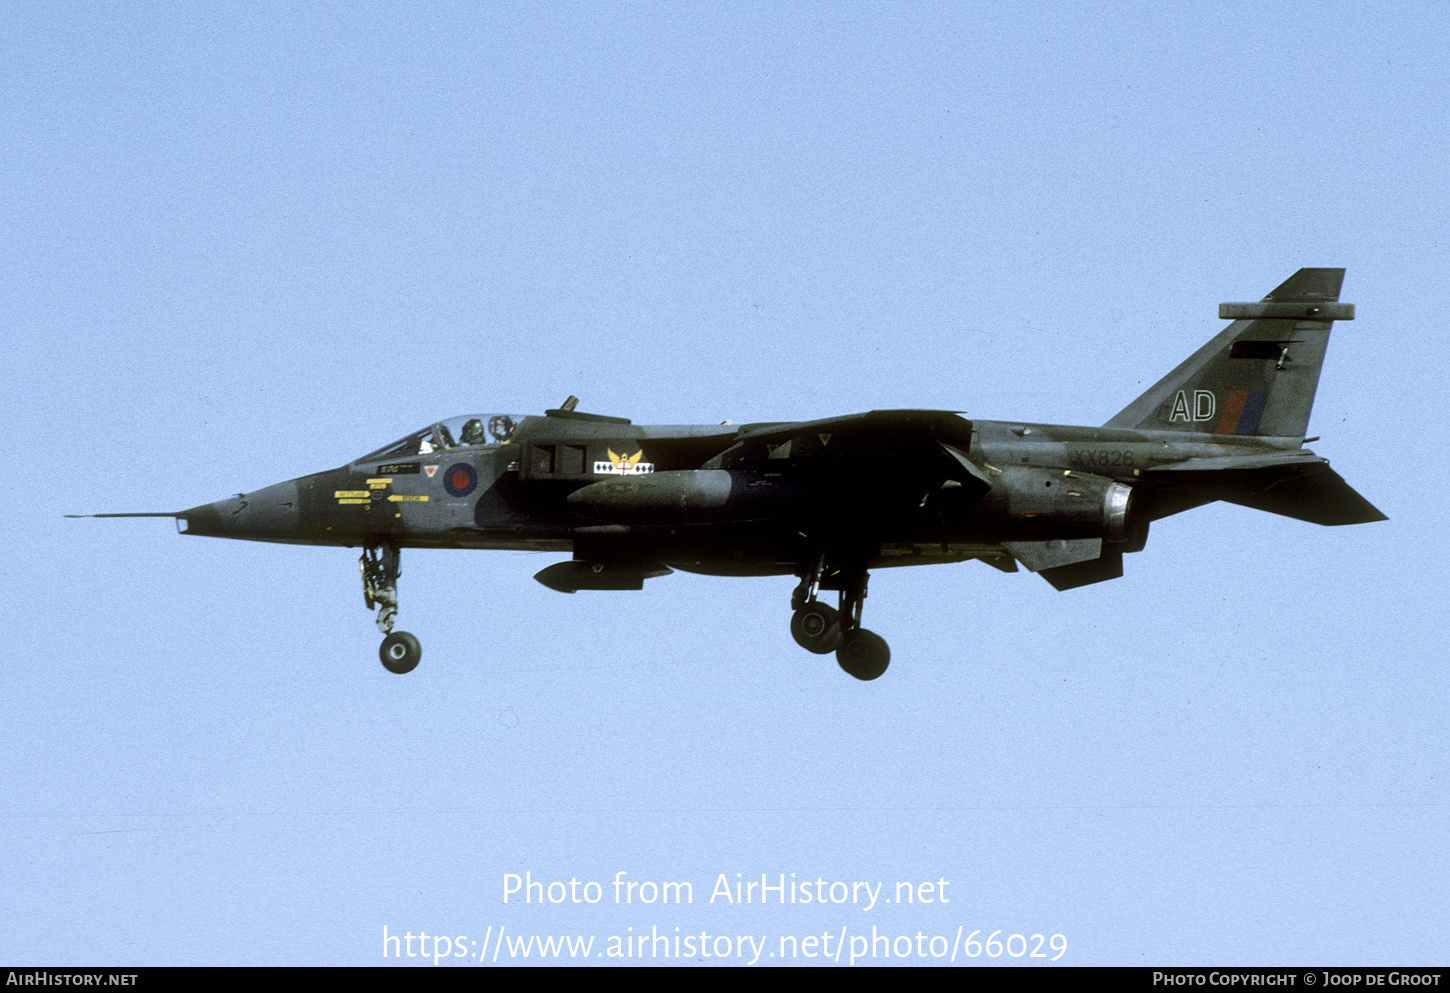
x=243 y=244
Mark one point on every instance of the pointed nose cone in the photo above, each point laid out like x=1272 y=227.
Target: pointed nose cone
x=270 y=514
x=206 y=519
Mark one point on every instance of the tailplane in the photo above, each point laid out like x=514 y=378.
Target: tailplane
x=1294 y=483
x=1258 y=376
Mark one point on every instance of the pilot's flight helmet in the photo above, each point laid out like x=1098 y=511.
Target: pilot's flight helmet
x=501 y=426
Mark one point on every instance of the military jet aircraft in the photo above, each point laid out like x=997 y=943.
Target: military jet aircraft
x=829 y=500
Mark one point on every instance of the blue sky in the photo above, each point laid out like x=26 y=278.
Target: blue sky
x=243 y=245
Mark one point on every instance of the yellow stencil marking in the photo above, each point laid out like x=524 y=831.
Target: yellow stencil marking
x=379 y=484
x=350 y=493
x=401 y=498
x=354 y=500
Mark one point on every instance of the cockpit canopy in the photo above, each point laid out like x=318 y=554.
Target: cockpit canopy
x=465 y=431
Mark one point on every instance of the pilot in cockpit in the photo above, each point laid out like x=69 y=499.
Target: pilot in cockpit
x=441 y=439
x=472 y=432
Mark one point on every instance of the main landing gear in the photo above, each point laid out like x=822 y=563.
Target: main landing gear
x=820 y=629
x=400 y=651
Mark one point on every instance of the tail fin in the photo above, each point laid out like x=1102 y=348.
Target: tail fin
x=1258 y=376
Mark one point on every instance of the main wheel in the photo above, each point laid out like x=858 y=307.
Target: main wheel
x=864 y=654
x=400 y=652
x=816 y=628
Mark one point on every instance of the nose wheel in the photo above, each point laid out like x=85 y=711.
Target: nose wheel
x=380 y=567
x=819 y=629
x=400 y=652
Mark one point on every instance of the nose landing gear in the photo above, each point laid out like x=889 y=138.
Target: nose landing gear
x=400 y=651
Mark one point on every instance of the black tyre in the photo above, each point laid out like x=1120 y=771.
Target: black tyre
x=400 y=652
x=864 y=654
x=816 y=628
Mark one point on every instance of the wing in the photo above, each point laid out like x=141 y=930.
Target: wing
x=877 y=449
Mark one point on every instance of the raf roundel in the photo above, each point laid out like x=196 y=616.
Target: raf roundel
x=459 y=479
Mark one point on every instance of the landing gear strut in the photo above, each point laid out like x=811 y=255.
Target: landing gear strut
x=400 y=651
x=814 y=626
x=864 y=654
x=819 y=629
